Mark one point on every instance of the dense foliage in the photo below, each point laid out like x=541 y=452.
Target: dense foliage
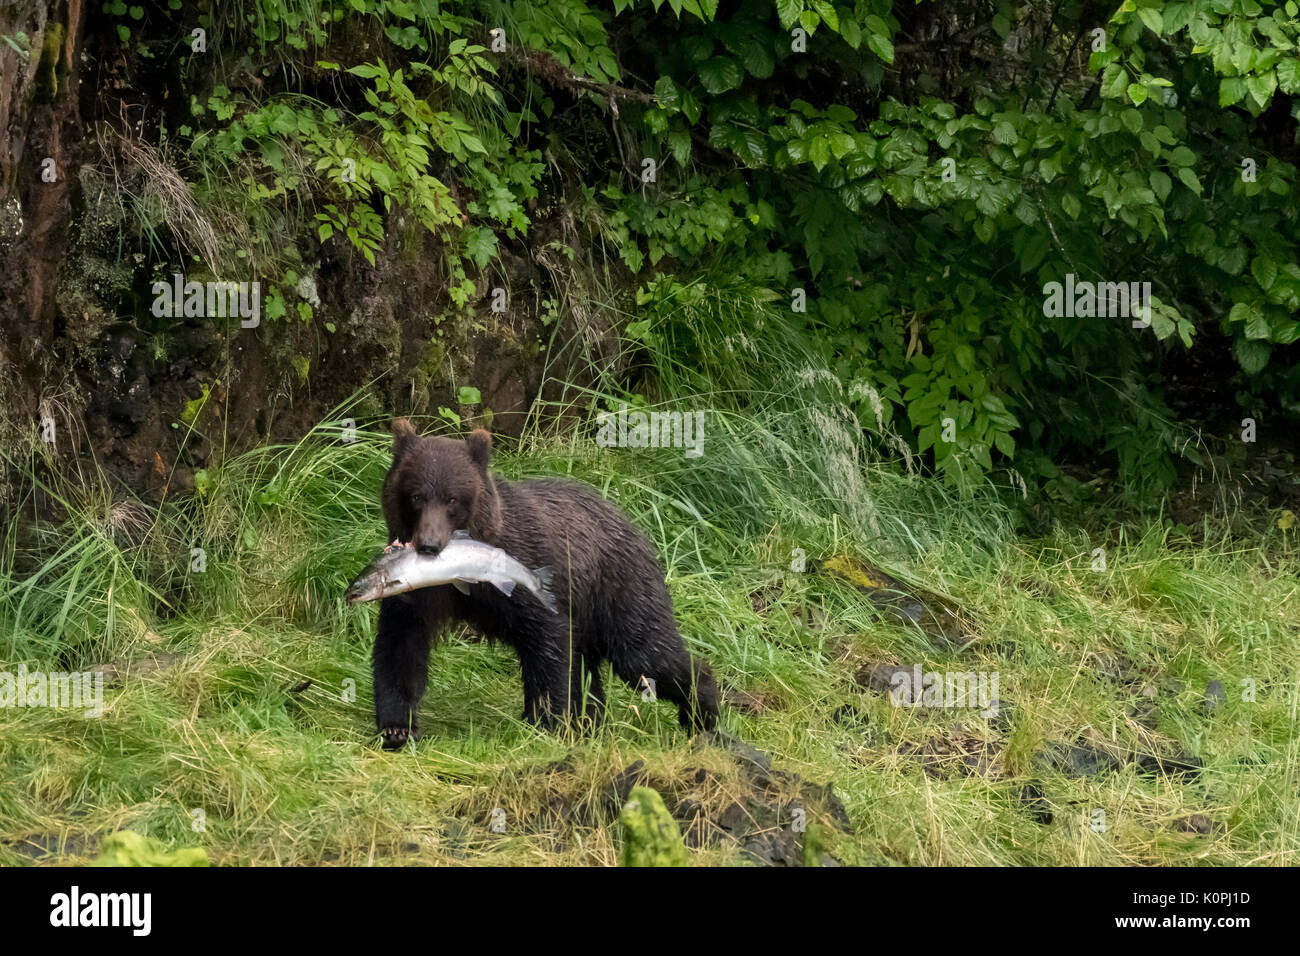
x=906 y=179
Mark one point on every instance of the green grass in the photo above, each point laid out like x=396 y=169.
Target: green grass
x=249 y=721
x=244 y=691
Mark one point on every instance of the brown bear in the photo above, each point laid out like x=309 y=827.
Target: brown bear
x=612 y=601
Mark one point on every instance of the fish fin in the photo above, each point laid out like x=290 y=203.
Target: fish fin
x=544 y=593
x=461 y=586
x=506 y=587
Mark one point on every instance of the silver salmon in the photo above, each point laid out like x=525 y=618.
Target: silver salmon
x=462 y=562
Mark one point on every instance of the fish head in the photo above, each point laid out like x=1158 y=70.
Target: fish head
x=380 y=578
x=364 y=588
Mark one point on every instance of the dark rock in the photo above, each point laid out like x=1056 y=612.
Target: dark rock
x=620 y=788
x=774 y=848
x=1196 y=823
x=848 y=715
x=1080 y=759
x=733 y=818
x=1215 y=695
x=1182 y=764
x=880 y=677
x=1034 y=802
x=747 y=754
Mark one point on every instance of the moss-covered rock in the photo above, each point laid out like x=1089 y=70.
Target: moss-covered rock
x=651 y=836
x=128 y=848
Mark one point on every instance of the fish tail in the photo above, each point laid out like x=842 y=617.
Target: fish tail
x=544 y=592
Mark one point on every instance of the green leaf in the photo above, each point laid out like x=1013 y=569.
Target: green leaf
x=1288 y=75
x=275 y=305
x=1251 y=355
x=841 y=144
x=827 y=12
x=851 y=32
x=666 y=93
x=1251 y=318
x=1261 y=87
x=1232 y=260
x=1264 y=269
x=1161 y=184
x=1151 y=17
x=1005 y=443
x=719 y=74
x=1257 y=326
x=1231 y=90
x=758 y=59
x=788 y=12
x=1189 y=180
x=1161 y=324
x=480 y=245
x=1176 y=16
x=1137 y=93
x=1114 y=81
x=881 y=46
x=679 y=141
x=819 y=151
x=1032 y=254
x=1004 y=133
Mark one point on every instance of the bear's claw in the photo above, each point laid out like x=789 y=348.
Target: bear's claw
x=395 y=738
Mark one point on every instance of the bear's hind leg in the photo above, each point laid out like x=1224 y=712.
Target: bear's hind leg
x=678 y=677
x=693 y=690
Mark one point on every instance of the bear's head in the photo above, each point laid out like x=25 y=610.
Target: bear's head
x=440 y=485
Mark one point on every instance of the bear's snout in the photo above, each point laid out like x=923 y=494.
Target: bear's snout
x=432 y=531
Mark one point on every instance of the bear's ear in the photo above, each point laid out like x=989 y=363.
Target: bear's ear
x=479 y=446
x=404 y=437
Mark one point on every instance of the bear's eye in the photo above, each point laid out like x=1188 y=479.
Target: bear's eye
x=417 y=500
x=451 y=501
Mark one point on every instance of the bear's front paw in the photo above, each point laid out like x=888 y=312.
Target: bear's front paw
x=395 y=738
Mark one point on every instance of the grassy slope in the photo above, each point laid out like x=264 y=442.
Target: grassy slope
x=287 y=774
